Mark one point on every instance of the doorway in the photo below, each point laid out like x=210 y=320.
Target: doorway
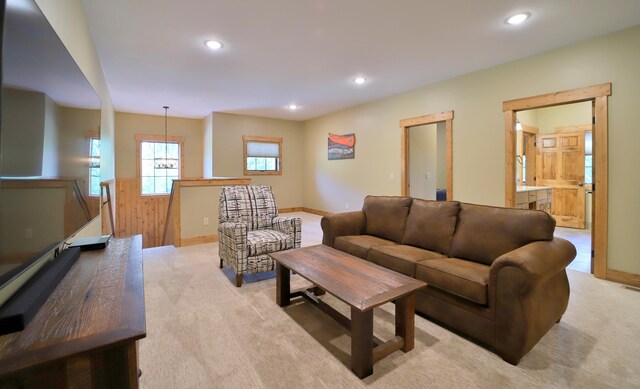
x=444 y=121
x=553 y=156
x=428 y=162
x=597 y=95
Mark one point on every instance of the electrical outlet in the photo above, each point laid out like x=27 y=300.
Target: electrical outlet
x=28 y=233
x=392 y=176
x=346 y=206
x=428 y=176
x=205 y=221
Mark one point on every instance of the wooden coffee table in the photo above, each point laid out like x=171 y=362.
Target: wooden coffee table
x=360 y=284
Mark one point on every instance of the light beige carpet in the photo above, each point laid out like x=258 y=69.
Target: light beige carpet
x=203 y=332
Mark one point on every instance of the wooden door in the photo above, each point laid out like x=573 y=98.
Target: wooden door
x=560 y=164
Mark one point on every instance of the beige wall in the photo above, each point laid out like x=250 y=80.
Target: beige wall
x=128 y=125
x=228 y=130
x=207 y=146
x=23 y=122
x=74 y=124
x=478 y=133
x=197 y=203
x=50 y=148
x=564 y=115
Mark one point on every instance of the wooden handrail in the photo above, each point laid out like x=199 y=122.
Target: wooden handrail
x=105 y=188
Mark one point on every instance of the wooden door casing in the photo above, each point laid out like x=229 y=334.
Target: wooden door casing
x=560 y=164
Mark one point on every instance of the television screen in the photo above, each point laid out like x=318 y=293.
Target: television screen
x=49 y=145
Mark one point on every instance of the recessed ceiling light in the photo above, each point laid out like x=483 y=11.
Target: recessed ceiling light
x=293 y=107
x=213 y=45
x=518 y=18
x=360 y=80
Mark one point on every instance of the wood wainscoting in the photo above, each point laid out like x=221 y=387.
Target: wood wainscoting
x=137 y=214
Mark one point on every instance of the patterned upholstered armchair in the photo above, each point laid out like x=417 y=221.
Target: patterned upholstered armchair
x=249 y=229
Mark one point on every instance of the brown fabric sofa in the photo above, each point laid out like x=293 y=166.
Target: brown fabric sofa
x=494 y=274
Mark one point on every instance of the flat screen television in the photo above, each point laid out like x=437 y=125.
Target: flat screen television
x=49 y=147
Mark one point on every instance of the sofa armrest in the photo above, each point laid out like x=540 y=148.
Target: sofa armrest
x=341 y=224
x=529 y=290
x=538 y=261
x=291 y=226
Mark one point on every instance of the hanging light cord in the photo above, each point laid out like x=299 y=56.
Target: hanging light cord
x=166 y=156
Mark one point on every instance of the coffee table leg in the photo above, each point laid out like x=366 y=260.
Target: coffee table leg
x=283 y=286
x=405 y=320
x=362 y=342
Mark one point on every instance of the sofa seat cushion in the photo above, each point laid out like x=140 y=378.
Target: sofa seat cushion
x=359 y=245
x=401 y=258
x=267 y=241
x=463 y=278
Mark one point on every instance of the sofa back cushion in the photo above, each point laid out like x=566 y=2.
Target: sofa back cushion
x=431 y=224
x=386 y=216
x=484 y=233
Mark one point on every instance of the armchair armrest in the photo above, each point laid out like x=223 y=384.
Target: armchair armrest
x=232 y=244
x=538 y=261
x=341 y=224
x=291 y=226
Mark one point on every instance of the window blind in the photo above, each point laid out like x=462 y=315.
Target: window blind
x=263 y=149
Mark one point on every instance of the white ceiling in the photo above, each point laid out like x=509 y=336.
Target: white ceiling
x=307 y=52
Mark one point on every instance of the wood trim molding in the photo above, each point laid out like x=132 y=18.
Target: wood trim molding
x=601 y=189
x=405 y=126
x=575 y=128
x=598 y=94
x=316 y=212
x=265 y=139
x=289 y=210
x=563 y=97
x=623 y=277
x=220 y=181
x=199 y=240
x=426 y=119
x=510 y=159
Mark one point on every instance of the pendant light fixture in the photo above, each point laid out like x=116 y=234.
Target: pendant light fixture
x=165 y=162
x=518 y=125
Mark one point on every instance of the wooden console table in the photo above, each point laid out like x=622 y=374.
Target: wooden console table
x=85 y=334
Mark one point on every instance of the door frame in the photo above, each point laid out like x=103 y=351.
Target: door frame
x=598 y=95
x=405 y=126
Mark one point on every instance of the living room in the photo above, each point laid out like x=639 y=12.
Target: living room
x=594 y=344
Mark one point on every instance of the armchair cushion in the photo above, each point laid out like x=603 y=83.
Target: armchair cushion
x=267 y=241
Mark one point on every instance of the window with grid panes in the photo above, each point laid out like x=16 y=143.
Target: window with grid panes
x=94 y=166
x=156 y=175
